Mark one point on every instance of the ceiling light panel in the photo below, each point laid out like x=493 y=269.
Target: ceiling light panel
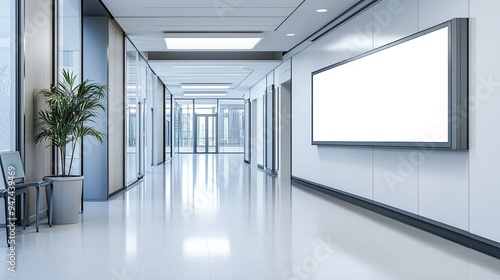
x=211 y=43
x=208 y=67
x=205 y=86
x=204 y=95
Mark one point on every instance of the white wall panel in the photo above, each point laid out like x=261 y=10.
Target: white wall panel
x=393 y=20
x=395 y=172
x=484 y=115
x=279 y=72
x=346 y=169
x=335 y=165
x=270 y=79
x=283 y=74
x=258 y=90
x=350 y=39
x=444 y=187
x=396 y=178
x=432 y=12
x=256 y=93
x=303 y=153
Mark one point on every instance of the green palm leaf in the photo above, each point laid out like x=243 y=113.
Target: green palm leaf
x=71 y=107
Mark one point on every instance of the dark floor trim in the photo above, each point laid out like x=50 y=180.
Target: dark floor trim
x=461 y=237
x=116 y=192
x=271 y=172
x=260 y=166
x=126 y=188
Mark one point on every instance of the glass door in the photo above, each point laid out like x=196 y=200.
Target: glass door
x=201 y=138
x=206 y=134
x=211 y=134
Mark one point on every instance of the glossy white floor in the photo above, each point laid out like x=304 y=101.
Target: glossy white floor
x=214 y=217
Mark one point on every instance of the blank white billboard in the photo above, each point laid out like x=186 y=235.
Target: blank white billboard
x=398 y=94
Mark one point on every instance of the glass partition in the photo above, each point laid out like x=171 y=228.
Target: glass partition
x=132 y=114
x=210 y=125
x=231 y=126
x=8 y=75
x=70 y=38
x=168 y=124
x=186 y=123
x=177 y=127
x=70 y=59
x=248 y=133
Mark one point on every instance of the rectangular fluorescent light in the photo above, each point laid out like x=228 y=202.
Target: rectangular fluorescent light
x=211 y=43
x=205 y=86
x=209 y=67
x=204 y=95
x=210 y=75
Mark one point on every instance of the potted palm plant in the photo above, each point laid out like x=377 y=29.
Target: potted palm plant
x=71 y=107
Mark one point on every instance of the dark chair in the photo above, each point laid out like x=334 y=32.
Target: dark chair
x=13 y=160
x=8 y=217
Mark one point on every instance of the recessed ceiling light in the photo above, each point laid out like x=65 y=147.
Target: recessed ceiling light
x=205 y=86
x=208 y=67
x=204 y=95
x=290 y=34
x=322 y=10
x=211 y=43
x=209 y=75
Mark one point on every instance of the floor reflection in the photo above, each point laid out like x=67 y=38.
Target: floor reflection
x=215 y=217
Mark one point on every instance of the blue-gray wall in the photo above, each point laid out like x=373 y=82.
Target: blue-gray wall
x=95 y=67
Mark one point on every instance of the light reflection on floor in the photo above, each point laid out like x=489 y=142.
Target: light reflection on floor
x=214 y=217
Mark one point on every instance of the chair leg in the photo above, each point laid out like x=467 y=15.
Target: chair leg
x=51 y=203
x=37 y=208
x=25 y=210
x=6 y=219
x=81 y=202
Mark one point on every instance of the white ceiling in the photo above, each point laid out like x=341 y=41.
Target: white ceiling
x=145 y=22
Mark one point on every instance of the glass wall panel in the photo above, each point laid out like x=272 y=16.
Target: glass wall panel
x=186 y=123
x=168 y=125
x=143 y=110
x=201 y=131
x=150 y=82
x=211 y=134
x=8 y=75
x=70 y=59
x=70 y=38
x=231 y=126
x=248 y=123
x=217 y=125
x=177 y=127
x=132 y=114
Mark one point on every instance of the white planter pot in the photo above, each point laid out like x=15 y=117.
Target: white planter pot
x=66 y=198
